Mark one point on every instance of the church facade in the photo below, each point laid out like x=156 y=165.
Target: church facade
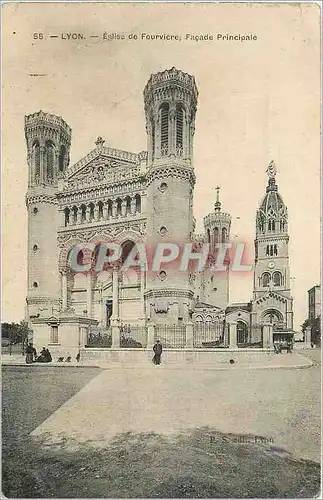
x=133 y=199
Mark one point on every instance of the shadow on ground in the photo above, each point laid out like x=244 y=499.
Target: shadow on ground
x=201 y=463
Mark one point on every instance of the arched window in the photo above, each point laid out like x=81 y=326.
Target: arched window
x=275 y=250
x=83 y=212
x=91 y=212
x=216 y=235
x=61 y=158
x=36 y=158
x=67 y=216
x=199 y=319
x=224 y=235
x=242 y=332
x=277 y=278
x=179 y=129
x=267 y=251
x=74 y=211
x=109 y=208
x=265 y=279
x=119 y=206
x=50 y=152
x=208 y=236
x=152 y=136
x=273 y=225
x=128 y=205
x=127 y=246
x=100 y=205
x=138 y=203
x=164 y=112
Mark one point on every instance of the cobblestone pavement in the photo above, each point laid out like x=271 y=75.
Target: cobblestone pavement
x=283 y=405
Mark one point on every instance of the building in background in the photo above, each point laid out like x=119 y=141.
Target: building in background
x=314 y=302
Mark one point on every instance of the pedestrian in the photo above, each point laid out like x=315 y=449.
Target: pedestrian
x=158 y=349
x=30 y=353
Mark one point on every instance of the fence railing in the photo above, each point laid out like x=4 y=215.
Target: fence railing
x=99 y=339
x=208 y=335
x=171 y=335
x=133 y=336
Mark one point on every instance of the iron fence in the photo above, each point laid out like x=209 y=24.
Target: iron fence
x=171 y=336
x=133 y=336
x=208 y=335
x=98 y=339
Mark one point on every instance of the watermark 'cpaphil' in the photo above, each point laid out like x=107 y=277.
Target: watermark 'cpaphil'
x=177 y=257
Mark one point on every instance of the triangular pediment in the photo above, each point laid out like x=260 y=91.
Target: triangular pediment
x=103 y=165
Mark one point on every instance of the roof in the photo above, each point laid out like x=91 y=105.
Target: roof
x=272 y=199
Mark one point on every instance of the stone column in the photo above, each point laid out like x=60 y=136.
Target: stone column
x=64 y=290
x=267 y=336
x=307 y=339
x=133 y=205
x=105 y=210
x=151 y=336
x=87 y=214
x=115 y=294
x=123 y=208
x=83 y=335
x=226 y=334
x=96 y=212
x=89 y=294
x=189 y=335
x=233 y=335
x=115 y=334
x=114 y=208
x=42 y=153
x=79 y=215
x=142 y=297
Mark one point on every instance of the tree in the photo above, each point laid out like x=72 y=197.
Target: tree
x=16 y=333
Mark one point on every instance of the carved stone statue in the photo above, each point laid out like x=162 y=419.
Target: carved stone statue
x=271 y=170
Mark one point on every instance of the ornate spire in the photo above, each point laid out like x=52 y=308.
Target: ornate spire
x=217 y=204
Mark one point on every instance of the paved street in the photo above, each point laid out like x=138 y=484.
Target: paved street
x=282 y=405
x=160 y=432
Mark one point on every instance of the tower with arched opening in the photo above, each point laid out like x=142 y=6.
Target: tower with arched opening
x=217 y=234
x=48 y=139
x=170 y=99
x=272 y=298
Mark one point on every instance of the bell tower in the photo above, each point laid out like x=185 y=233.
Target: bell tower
x=217 y=231
x=272 y=296
x=48 y=140
x=170 y=99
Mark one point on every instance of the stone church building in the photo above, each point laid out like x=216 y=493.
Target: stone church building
x=113 y=195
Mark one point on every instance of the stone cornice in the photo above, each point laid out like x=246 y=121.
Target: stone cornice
x=168 y=292
x=171 y=170
x=122 y=223
x=41 y=198
x=269 y=238
x=109 y=190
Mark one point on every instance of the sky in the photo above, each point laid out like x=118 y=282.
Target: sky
x=258 y=101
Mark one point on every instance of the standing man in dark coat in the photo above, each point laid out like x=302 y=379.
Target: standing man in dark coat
x=158 y=349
